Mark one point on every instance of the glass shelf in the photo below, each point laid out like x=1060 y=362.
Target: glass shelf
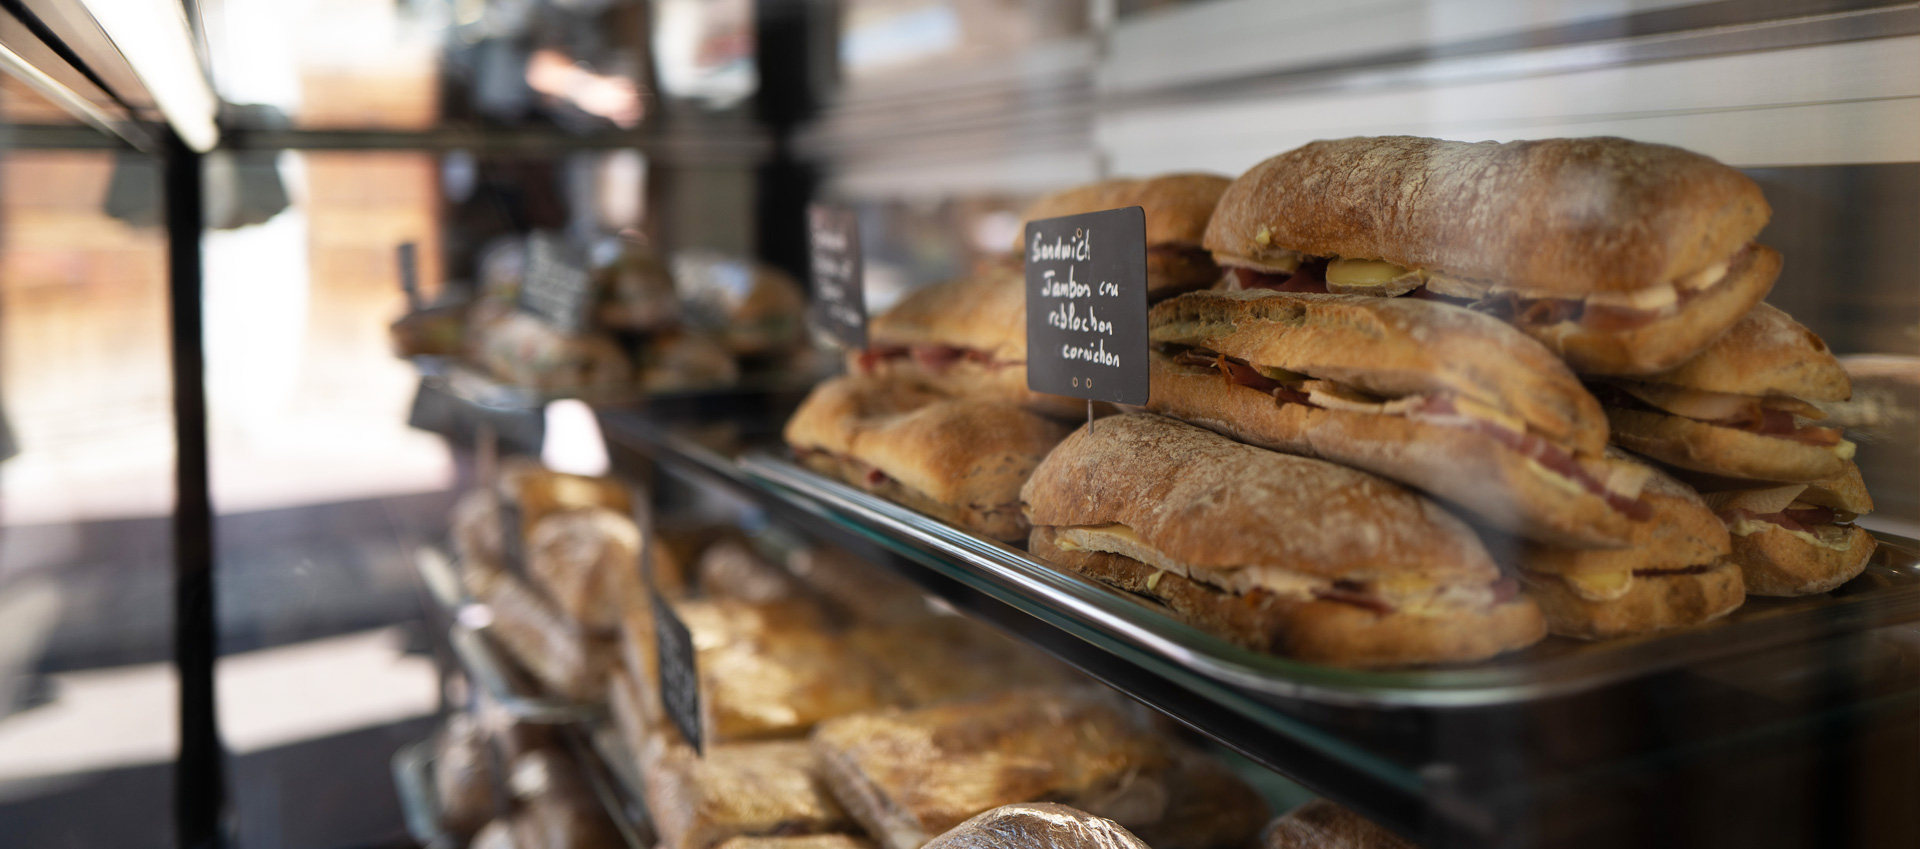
x=1524 y=750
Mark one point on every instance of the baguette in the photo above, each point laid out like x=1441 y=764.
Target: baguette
x=965 y=338
x=1280 y=553
x=1428 y=394
x=1741 y=408
x=1675 y=573
x=960 y=461
x=1623 y=257
x=1797 y=539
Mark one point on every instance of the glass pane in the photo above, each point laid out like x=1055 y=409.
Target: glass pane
x=321 y=491
x=88 y=700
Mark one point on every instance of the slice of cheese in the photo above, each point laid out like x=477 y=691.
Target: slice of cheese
x=1838 y=539
x=1600 y=586
x=1371 y=277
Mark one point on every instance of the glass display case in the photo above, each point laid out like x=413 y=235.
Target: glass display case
x=399 y=434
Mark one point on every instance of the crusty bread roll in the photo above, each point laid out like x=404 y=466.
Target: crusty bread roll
x=1322 y=824
x=1427 y=394
x=1674 y=574
x=1037 y=824
x=1281 y=553
x=733 y=790
x=1177 y=207
x=908 y=776
x=966 y=338
x=961 y=461
x=1739 y=409
x=581 y=559
x=1649 y=245
x=1798 y=539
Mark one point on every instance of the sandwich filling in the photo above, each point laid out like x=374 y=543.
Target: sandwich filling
x=1774 y=416
x=1605 y=312
x=934 y=359
x=1619 y=485
x=1825 y=527
x=1400 y=594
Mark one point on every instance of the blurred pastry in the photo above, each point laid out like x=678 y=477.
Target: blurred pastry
x=462 y=777
x=680 y=360
x=743 y=789
x=1041 y=824
x=960 y=461
x=578 y=557
x=520 y=349
x=565 y=657
x=636 y=289
x=934 y=659
x=771 y=670
x=1321 y=824
x=910 y=775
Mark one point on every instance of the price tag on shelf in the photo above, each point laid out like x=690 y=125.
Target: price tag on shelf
x=679 y=677
x=556 y=287
x=674 y=656
x=839 y=295
x=1087 y=305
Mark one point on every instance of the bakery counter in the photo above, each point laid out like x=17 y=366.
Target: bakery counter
x=1779 y=721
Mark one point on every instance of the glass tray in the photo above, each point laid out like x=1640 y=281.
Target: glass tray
x=1887 y=593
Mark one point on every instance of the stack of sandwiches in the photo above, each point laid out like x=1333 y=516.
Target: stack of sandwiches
x=1548 y=362
x=936 y=413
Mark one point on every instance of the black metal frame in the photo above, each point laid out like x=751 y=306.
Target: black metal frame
x=200 y=770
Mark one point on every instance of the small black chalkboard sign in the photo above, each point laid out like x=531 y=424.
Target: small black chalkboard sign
x=674 y=655
x=1087 y=305
x=556 y=287
x=679 y=677
x=513 y=543
x=408 y=257
x=839 y=297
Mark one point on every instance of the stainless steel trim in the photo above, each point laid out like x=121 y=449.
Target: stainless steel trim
x=66 y=98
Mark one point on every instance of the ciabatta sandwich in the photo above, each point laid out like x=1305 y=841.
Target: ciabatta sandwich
x=1431 y=395
x=1798 y=539
x=967 y=338
x=961 y=461
x=1741 y=408
x=1285 y=554
x=1623 y=257
x=1675 y=573
x=1177 y=207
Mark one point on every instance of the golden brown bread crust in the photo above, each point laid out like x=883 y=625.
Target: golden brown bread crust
x=1845 y=491
x=1550 y=218
x=1655 y=602
x=1177 y=206
x=986 y=313
x=1391 y=347
x=1208 y=501
x=1005 y=384
x=1313 y=630
x=1683 y=532
x=1765 y=353
x=966 y=459
x=1702 y=447
x=1667 y=341
x=1458 y=464
x=1777 y=563
x=1321 y=824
